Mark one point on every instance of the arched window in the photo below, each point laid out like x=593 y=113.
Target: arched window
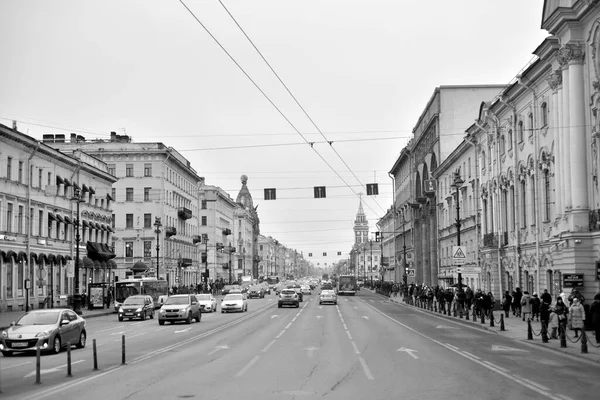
x=523 y=204
x=502 y=144
x=520 y=131
x=544 y=110
x=533 y=201
x=530 y=124
x=510 y=139
x=483 y=158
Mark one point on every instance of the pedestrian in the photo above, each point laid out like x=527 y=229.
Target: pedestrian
x=595 y=314
x=526 y=305
x=576 y=316
x=468 y=298
x=506 y=302
x=545 y=315
x=517 y=301
x=575 y=294
x=535 y=306
x=553 y=324
x=562 y=312
x=546 y=297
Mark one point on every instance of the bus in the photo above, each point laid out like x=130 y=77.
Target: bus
x=346 y=285
x=150 y=286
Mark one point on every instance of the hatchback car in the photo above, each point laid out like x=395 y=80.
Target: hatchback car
x=327 y=296
x=50 y=329
x=256 y=291
x=137 y=306
x=288 y=297
x=234 y=302
x=305 y=289
x=180 y=307
x=207 y=302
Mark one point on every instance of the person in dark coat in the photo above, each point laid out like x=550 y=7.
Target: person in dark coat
x=506 y=303
x=517 y=301
x=562 y=312
x=546 y=297
x=595 y=316
x=535 y=306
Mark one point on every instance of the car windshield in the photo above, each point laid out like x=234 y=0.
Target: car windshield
x=203 y=296
x=233 y=297
x=288 y=291
x=174 y=300
x=327 y=292
x=40 y=318
x=133 y=301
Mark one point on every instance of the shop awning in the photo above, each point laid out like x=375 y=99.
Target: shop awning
x=59 y=180
x=139 y=267
x=59 y=218
x=68 y=220
x=99 y=251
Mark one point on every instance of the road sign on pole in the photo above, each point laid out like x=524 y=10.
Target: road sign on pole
x=459 y=255
x=410 y=272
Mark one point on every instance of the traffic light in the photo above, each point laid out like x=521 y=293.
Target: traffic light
x=226 y=232
x=377 y=238
x=220 y=247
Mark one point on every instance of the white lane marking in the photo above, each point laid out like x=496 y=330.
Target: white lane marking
x=288 y=325
x=472 y=355
x=269 y=345
x=109 y=329
x=453 y=347
x=355 y=347
x=119 y=333
x=345 y=327
x=247 y=367
x=183 y=330
x=349 y=335
x=217 y=349
x=128 y=337
x=294 y=319
x=55 y=369
x=366 y=368
x=274 y=316
x=480 y=362
x=537 y=385
x=15 y=366
x=494 y=365
x=365 y=317
x=280 y=333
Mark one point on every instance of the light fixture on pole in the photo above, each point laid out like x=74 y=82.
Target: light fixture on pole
x=457 y=184
x=157 y=224
x=77 y=295
x=205 y=240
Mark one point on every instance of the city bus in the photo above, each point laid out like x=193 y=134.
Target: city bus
x=150 y=286
x=346 y=285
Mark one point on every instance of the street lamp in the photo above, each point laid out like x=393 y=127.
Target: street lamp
x=205 y=240
x=157 y=224
x=405 y=276
x=244 y=261
x=457 y=183
x=371 y=268
x=77 y=296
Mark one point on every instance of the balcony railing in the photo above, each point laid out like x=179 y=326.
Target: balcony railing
x=490 y=240
x=196 y=239
x=184 y=213
x=595 y=220
x=170 y=231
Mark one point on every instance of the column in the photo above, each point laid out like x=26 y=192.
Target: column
x=425 y=247
x=566 y=130
x=554 y=80
x=433 y=245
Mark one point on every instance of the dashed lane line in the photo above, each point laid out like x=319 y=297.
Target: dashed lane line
x=349 y=335
x=366 y=368
x=247 y=367
x=355 y=347
x=280 y=334
x=268 y=346
x=472 y=355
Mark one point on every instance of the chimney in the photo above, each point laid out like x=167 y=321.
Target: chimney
x=14 y=124
x=113 y=136
x=73 y=137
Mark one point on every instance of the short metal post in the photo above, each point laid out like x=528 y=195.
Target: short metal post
x=95 y=355
x=584 y=348
x=482 y=315
x=38 y=354
x=467 y=314
x=435 y=307
x=491 y=318
x=502 y=322
x=529 y=330
x=563 y=336
x=123 y=349
x=69 y=360
x=544 y=332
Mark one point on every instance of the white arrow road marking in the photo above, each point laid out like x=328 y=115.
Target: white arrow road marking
x=311 y=351
x=184 y=330
x=356 y=308
x=319 y=316
x=218 y=348
x=504 y=348
x=55 y=369
x=119 y=333
x=446 y=327
x=409 y=351
x=14 y=366
x=273 y=316
x=365 y=317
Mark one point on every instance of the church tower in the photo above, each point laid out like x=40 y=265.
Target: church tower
x=361 y=226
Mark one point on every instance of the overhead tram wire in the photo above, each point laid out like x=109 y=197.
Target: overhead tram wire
x=268 y=98
x=297 y=102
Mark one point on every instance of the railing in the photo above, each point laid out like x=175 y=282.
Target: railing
x=490 y=240
x=184 y=213
x=170 y=231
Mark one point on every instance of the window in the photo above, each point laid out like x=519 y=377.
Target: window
x=129 y=170
x=20 y=220
x=513 y=209
x=147 y=220
x=30 y=216
x=128 y=220
x=533 y=201
x=113 y=194
x=20 y=176
x=40 y=223
x=204 y=221
x=204 y=204
x=547 y=196
x=129 y=249
x=510 y=139
x=112 y=169
x=147 y=169
x=523 y=205
x=530 y=121
x=40 y=178
x=49 y=178
x=112 y=221
x=520 y=131
x=261 y=247
x=9 y=282
x=147 y=248
x=147 y=194
x=20 y=275
x=49 y=226
x=129 y=194
x=469 y=167
x=483 y=159
x=502 y=144
x=544 y=109
x=9 y=168
x=9 y=217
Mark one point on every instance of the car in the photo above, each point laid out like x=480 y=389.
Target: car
x=298 y=291
x=288 y=297
x=305 y=289
x=256 y=291
x=227 y=288
x=180 y=307
x=327 y=296
x=207 y=302
x=51 y=329
x=234 y=302
x=137 y=306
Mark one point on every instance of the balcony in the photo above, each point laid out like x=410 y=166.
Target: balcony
x=196 y=239
x=594 y=220
x=185 y=262
x=490 y=240
x=170 y=231
x=184 y=213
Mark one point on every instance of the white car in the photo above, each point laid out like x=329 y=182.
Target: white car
x=327 y=296
x=234 y=302
x=180 y=307
x=207 y=302
x=305 y=289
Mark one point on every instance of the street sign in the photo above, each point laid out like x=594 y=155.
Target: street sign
x=459 y=255
x=410 y=272
x=573 y=280
x=430 y=185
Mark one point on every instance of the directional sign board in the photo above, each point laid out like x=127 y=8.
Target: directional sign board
x=410 y=272
x=459 y=255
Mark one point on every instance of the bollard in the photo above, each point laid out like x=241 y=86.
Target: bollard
x=38 y=354
x=454 y=311
x=563 y=336
x=544 y=332
x=491 y=318
x=123 y=349
x=467 y=314
x=95 y=355
x=474 y=315
x=69 y=360
x=529 y=330
x=584 y=349
x=435 y=308
x=502 y=322
x=482 y=315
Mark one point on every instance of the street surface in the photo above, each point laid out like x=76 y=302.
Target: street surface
x=366 y=347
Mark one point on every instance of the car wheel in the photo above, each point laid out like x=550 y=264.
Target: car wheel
x=161 y=322
x=199 y=317
x=320 y=303
x=56 y=345
x=120 y=319
x=152 y=315
x=189 y=318
x=7 y=353
x=82 y=339
x=297 y=305
x=222 y=312
x=143 y=317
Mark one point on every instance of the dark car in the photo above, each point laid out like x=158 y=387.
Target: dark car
x=256 y=292
x=137 y=306
x=227 y=288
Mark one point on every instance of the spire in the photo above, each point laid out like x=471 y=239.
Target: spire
x=361 y=225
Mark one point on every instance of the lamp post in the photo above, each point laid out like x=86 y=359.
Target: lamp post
x=205 y=240
x=405 y=276
x=364 y=277
x=457 y=183
x=157 y=224
x=77 y=296
x=244 y=261
x=371 y=257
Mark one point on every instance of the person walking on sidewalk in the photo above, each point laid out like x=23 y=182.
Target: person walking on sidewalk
x=576 y=316
x=526 y=305
x=553 y=324
x=517 y=302
x=595 y=314
x=535 y=307
x=506 y=303
x=546 y=297
x=562 y=312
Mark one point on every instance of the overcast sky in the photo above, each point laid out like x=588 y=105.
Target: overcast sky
x=362 y=69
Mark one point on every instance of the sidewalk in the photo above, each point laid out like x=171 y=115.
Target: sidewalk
x=7 y=317
x=516 y=329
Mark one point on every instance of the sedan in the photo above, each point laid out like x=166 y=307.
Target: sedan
x=180 y=307
x=256 y=291
x=305 y=289
x=207 y=302
x=234 y=302
x=49 y=329
x=137 y=306
x=327 y=296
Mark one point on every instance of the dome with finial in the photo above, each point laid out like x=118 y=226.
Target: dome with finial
x=244 y=197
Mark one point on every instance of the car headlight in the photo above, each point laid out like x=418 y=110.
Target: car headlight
x=43 y=334
x=4 y=334
x=120 y=309
x=139 y=310
x=161 y=311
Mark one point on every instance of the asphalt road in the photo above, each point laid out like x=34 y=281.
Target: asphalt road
x=364 y=348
